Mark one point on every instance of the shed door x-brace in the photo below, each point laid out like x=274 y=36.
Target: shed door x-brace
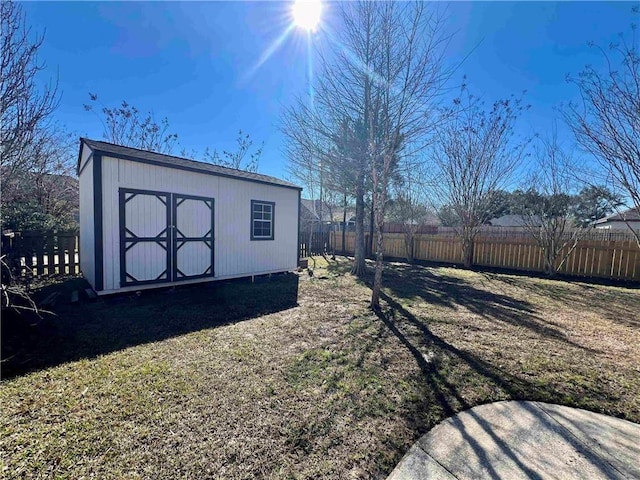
x=164 y=237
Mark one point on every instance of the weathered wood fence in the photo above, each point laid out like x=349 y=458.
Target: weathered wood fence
x=42 y=254
x=619 y=259
x=319 y=245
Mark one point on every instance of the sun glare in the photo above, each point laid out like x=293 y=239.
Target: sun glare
x=307 y=13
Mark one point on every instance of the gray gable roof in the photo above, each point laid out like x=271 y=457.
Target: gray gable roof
x=312 y=208
x=145 y=156
x=514 y=221
x=629 y=215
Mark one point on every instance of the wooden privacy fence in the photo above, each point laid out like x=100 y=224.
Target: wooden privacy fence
x=40 y=254
x=319 y=245
x=618 y=260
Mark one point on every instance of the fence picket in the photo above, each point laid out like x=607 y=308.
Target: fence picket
x=51 y=254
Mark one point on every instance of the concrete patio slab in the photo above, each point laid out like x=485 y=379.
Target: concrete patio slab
x=524 y=440
x=422 y=465
x=612 y=438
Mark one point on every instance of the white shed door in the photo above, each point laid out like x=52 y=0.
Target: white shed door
x=193 y=237
x=164 y=237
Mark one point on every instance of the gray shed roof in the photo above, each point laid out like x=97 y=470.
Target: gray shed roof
x=145 y=156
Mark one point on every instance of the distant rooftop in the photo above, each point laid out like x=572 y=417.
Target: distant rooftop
x=181 y=163
x=629 y=215
x=512 y=221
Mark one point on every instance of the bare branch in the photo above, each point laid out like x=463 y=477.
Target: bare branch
x=607 y=121
x=477 y=155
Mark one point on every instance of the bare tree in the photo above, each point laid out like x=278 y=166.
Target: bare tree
x=305 y=168
x=36 y=171
x=334 y=127
x=407 y=73
x=476 y=154
x=241 y=159
x=374 y=98
x=409 y=206
x=46 y=196
x=548 y=205
x=606 y=122
x=125 y=125
x=323 y=156
x=25 y=107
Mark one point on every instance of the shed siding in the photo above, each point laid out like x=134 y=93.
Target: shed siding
x=85 y=156
x=619 y=225
x=111 y=231
x=235 y=254
x=87 y=227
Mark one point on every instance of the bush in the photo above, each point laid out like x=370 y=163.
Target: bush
x=20 y=216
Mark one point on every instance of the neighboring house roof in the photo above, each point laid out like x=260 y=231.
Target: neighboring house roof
x=306 y=212
x=430 y=219
x=513 y=221
x=145 y=156
x=629 y=215
x=311 y=209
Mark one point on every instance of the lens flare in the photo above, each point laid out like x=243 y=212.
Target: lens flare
x=307 y=14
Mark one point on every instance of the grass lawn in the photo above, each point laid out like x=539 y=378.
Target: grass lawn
x=294 y=377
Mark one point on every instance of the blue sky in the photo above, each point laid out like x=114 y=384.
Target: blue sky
x=194 y=63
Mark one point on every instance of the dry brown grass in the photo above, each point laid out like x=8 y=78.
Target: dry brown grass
x=325 y=389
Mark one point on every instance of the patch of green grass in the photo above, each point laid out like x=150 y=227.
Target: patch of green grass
x=294 y=377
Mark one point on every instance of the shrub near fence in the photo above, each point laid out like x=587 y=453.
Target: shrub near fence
x=43 y=253
x=617 y=260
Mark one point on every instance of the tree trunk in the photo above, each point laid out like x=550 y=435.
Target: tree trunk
x=408 y=245
x=550 y=262
x=371 y=227
x=467 y=249
x=377 y=278
x=379 y=200
x=551 y=271
x=359 y=267
x=344 y=225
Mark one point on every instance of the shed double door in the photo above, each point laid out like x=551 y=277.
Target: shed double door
x=165 y=237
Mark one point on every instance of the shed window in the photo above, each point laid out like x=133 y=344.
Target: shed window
x=262 y=215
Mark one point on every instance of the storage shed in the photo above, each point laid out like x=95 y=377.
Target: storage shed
x=148 y=220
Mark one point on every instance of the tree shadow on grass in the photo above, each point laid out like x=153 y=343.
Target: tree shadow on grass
x=447 y=394
x=452 y=377
x=446 y=389
x=620 y=305
x=90 y=329
x=432 y=286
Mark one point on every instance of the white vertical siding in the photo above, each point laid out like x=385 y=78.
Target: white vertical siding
x=235 y=253
x=85 y=155
x=111 y=225
x=87 y=227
